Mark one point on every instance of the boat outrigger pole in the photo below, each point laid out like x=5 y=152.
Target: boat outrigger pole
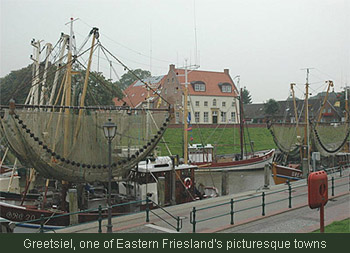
x=330 y=84
x=95 y=35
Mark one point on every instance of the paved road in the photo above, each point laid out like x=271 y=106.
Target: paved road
x=278 y=216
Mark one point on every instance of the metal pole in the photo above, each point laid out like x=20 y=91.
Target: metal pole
x=322 y=218
x=147 y=209
x=194 y=220
x=232 y=212
x=99 y=219
x=42 y=223
x=290 y=195
x=263 y=204
x=332 y=186
x=109 y=226
x=178 y=224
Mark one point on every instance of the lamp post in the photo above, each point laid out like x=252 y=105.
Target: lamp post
x=109 y=130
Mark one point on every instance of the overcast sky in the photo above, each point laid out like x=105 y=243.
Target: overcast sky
x=266 y=42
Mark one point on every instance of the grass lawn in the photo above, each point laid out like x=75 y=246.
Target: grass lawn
x=225 y=140
x=337 y=227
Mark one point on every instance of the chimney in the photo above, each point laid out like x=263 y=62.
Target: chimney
x=172 y=67
x=226 y=71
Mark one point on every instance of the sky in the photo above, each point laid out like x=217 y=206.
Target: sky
x=268 y=43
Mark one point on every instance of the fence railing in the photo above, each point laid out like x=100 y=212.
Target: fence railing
x=194 y=220
x=178 y=219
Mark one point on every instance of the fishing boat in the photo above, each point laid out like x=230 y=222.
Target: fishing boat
x=230 y=162
x=59 y=129
x=297 y=141
x=166 y=182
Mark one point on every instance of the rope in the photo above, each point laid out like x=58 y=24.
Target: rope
x=133 y=73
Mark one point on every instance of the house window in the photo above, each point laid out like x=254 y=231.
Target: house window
x=233 y=103
x=214 y=102
x=196 y=116
x=205 y=103
x=177 y=117
x=223 y=116
x=223 y=104
x=197 y=103
x=233 y=117
x=226 y=88
x=188 y=103
x=206 y=116
x=199 y=87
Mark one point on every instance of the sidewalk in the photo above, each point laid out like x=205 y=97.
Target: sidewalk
x=279 y=218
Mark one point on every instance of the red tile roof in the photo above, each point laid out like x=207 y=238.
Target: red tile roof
x=211 y=80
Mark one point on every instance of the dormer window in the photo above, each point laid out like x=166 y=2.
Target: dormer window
x=225 y=87
x=198 y=85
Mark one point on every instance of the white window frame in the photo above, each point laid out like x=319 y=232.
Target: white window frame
x=197 y=117
x=223 y=116
x=205 y=117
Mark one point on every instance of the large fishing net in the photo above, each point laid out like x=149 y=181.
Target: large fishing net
x=330 y=138
x=64 y=146
x=288 y=137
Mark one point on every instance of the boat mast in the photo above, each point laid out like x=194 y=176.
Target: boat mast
x=64 y=40
x=296 y=116
x=68 y=90
x=347 y=147
x=33 y=96
x=43 y=86
x=241 y=123
x=307 y=126
x=186 y=116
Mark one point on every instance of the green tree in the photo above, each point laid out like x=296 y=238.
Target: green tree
x=128 y=78
x=246 y=97
x=16 y=85
x=271 y=107
x=101 y=91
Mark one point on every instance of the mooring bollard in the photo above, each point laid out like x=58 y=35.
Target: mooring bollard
x=231 y=203
x=147 y=209
x=100 y=219
x=42 y=220
x=290 y=195
x=332 y=186
x=263 y=204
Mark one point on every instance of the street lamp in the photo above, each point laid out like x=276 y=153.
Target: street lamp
x=109 y=130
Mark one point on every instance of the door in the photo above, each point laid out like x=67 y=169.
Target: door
x=215 y=117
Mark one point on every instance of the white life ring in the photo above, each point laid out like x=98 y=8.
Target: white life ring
x=188 y=182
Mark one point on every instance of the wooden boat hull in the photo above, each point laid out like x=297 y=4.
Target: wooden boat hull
x=253 y=163
x=282 y=174
x=22 y=214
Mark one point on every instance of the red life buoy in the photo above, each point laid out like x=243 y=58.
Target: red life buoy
x=188 y=182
